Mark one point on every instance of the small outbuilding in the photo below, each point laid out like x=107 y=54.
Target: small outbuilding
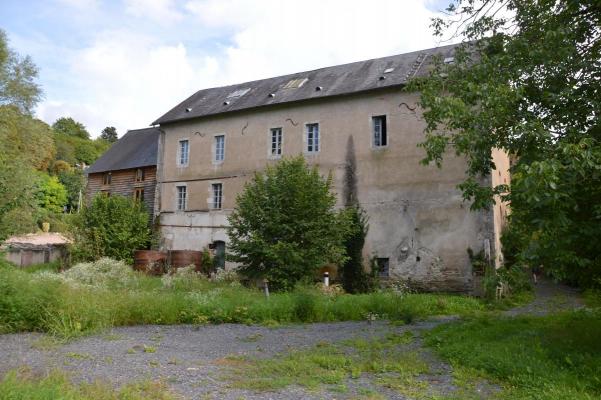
x=35 y=248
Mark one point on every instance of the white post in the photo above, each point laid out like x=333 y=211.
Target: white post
x=266 y=287
x=326 y=279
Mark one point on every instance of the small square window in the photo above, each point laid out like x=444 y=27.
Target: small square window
x=107 y=179
x=276 y=142
x=181 y=198
x=184 y=153
x=139 y=194
x=380 y=138
x=217 y=195
x=312 y=138
x=139 y=175
x=383 y=267
x=219 y=148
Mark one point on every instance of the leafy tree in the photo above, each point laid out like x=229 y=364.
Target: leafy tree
x=51 y=195
x=68 y=126
x=284 y=226
x=25 y=146
x=17 y=79
x=76 y=150
x=527 y=81
x=75 y=183
x=112 y=226
x=109 y=134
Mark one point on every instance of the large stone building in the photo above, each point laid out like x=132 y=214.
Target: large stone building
x=419 y=226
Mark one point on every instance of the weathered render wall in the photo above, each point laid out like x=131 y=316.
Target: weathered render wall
x=123 y=183
x=500 y=176
x=417 y=217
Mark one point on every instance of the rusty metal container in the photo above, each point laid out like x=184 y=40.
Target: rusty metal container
x=152 y=262
x=184 y=258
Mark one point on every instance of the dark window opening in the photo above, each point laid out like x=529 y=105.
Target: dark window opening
x=106 y=179
x=380 y=136
x=139 y=175
x=383 y=267
x=139 y=194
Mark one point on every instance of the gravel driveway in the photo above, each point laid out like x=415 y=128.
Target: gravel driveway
x=188 y=357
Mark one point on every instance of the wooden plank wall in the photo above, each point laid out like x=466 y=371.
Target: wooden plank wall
x=123 y=182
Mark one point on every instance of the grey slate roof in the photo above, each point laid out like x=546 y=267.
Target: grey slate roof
x=334 y=81
x=137 y=148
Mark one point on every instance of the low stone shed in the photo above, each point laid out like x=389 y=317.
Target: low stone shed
x=35 y=248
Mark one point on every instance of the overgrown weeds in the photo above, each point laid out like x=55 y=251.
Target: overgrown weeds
x=552 y=357
x=87 y=299
x=22 y=385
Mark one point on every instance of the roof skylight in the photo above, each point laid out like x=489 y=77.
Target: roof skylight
x=238 y=93
x=295 y=83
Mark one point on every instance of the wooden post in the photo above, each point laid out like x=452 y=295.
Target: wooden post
x=266 y=287
x=326 y=279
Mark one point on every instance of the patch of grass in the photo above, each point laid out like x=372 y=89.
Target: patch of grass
x=21 y=385
x=327 y=364
x=592 y=298
x=252 y=338
x=552 y=357
x=149 y=349
x=79 y=356
x=67 y=309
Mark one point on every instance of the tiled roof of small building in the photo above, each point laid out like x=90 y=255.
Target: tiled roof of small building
x=137 y=148
x=379 y=73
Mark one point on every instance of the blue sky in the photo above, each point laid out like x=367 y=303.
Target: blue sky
x=126 y=62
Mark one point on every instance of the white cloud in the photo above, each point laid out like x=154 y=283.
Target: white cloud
x=161 y=11
x=127 y=79
x=81 y=4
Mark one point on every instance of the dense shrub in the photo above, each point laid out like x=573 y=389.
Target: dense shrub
x=112 y=226
x=285 y=226
x=353 y=275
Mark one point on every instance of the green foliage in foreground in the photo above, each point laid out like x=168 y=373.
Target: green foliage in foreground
x=67 y=307
x=285 y=226
x=23 y=386
x=554 y=357
x=112 y=226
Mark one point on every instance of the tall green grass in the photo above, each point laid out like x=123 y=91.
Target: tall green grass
x=553 y=357
x=28 y=303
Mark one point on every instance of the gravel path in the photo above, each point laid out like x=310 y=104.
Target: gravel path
x=191 y=359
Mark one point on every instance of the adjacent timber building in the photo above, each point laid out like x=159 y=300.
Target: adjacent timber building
x=353 y=117
x=128 y=168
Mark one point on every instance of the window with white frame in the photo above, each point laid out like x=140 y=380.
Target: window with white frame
x=219 y=148
x=312 y=138
x=217 y=195
x=182 y=194
x=183 y=153
x=276 y=142
x=380 y=138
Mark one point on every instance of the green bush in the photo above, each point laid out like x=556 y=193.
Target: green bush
x=113 y=227
x=285 y=226
x=353 y=275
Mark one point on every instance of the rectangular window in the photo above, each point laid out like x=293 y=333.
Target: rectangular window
x=217 y=195
x=379 y=131
x=106 y=179
x=139 y=175
x=219 y=148
x=139 y=194
x=383 y=267
x=276 y=142
x=181 y=198
x=184 y=153
x=312 y=138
